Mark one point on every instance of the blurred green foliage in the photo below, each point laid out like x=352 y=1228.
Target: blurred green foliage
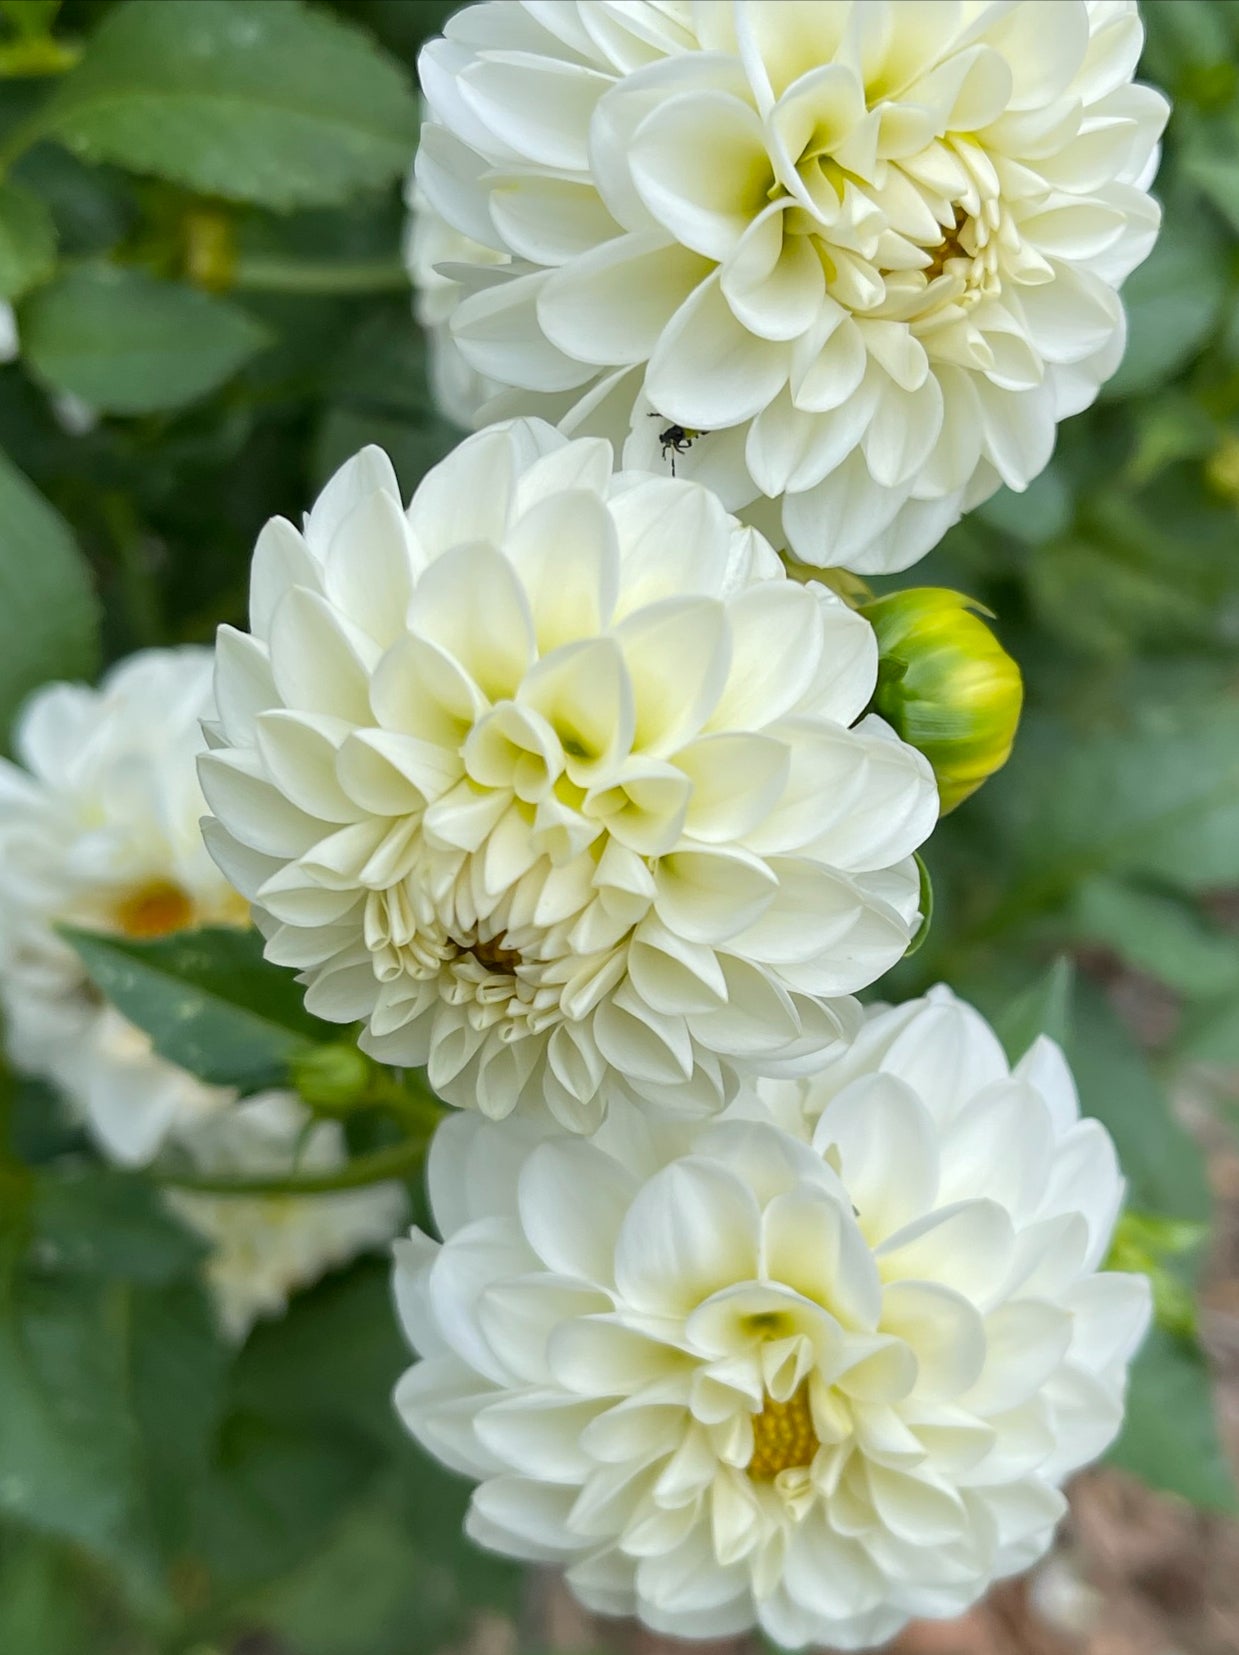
x=212 y=313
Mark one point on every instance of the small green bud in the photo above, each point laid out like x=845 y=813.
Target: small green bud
x=333 y=1079
x=945 y=685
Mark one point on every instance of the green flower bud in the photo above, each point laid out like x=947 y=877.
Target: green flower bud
x=333 y=1079
x=945 y=685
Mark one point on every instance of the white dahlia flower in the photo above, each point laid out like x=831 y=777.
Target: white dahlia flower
x=859 y=257
x=265 y=1248
x=557 y=780
x=819 y=1379
x=99 y=827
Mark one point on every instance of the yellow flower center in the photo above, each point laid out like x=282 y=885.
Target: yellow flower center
x=155 y=909
x=783 y=1437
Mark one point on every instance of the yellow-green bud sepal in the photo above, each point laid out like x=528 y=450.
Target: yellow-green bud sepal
x=946 y=685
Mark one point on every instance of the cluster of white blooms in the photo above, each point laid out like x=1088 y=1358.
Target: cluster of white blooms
x=819 y=1365
x=560 y=782
x=99 y=828
x=750 y=1308
x=860 y=258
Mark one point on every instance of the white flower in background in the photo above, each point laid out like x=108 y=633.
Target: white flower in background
x=432 y=249
x=557 y=781
x=865 y=256
x=99 y=827
x=821 y=1378
x=265 y=1248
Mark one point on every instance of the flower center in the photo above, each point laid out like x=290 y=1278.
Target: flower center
x=783 y=1437
x=950 y=247
x=155 y=909
x=493 y=955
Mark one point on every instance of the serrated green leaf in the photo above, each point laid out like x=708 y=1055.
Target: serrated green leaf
x=209 y=1002
x=125 y=343
x=27 y=241
x=49 y=617
x=1170 y=1437
x=282 y=104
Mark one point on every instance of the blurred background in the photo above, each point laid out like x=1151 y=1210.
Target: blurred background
x=200 y=322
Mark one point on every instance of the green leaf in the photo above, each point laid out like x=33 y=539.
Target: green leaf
x=41 y=1608
x=1156 y=934
x=1170 y=1438
x=1044 y=1007
x=1163 y=1165
x=209 y=1002
x=49 y=618
x=177 y=1367
x=1173 y=301
x=66 y=1436
x=1209 y=1032
x=1160 y=799
x=1042 y=512
x=27 y=241
x=270 y=1495
x=126 y=343
x=97 y=1221
x=281 y=105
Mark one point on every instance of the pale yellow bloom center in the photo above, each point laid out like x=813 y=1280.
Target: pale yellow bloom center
x=783 y=1437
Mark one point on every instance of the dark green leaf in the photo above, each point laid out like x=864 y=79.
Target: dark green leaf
x=282 y=105
x=208 y=1000
x=49 y=622
x=1161 y=799
x=27 y=241
x=1170 y=1439
x=41 y=1609
x=125 y=343
x=271 y=1494
x=67 y=1438
x=97 y=1221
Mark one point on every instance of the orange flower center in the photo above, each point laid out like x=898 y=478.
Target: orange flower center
x=156 y=909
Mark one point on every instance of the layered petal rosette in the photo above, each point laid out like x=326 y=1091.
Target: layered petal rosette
x=99 y=827
x=820 y=1365
x=859 y=257
x=264 y=1248
x=559 y=783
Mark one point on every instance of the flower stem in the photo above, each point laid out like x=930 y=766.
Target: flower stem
x=324 y=277
x=397 y=1161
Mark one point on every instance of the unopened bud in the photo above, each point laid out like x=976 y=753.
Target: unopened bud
x=945 y=685
x=333 y=1079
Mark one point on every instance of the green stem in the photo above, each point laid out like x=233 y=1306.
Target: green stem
x=324 y=277
x=142 y=597
x=397 y=1161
